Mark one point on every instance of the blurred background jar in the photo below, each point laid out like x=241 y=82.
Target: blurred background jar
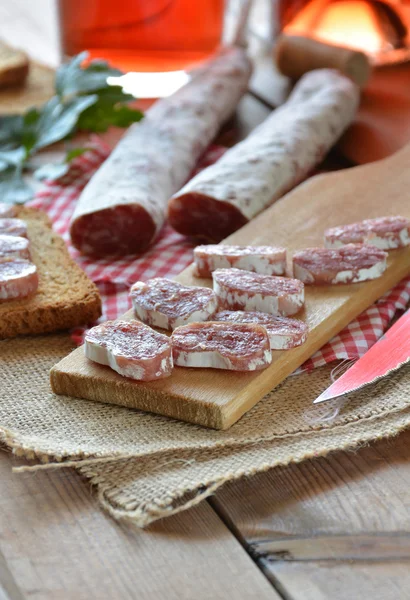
x=142 y=35
x=155 y=42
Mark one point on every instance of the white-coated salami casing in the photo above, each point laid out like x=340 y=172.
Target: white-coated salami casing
x=123 y=207
x=10 y=226
x=7 y=210
x=284 y=333
x=275 y=157
x=167 y=304
x=241 y=290
x=18 y=278
x=348 y=264
x=267 y=260
x=386 y=233
x=130 y=348
x=12 y=246
x=232 y=346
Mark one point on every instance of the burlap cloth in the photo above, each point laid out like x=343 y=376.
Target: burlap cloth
x=145 y=466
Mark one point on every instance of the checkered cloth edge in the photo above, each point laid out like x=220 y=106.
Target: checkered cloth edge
x=172 y=253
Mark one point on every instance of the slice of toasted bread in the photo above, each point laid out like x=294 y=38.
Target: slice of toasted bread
x=14 y=65
x=65 y=297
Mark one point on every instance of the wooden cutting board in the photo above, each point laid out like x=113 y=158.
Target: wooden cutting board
x=216 y=398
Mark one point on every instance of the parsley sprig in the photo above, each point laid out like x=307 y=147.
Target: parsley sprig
x=83 y=102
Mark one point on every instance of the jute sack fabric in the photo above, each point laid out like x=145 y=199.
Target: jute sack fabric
x=145 y=466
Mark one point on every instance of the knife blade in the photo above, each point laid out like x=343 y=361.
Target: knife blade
x=388 y=354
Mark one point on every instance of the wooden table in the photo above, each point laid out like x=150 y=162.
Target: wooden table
x=331 y=528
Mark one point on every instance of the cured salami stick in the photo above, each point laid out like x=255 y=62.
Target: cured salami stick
x=123 y=206
x=275 y=157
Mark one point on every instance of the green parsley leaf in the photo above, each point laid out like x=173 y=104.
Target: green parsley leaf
x=58 y=120
x=72 y=79
x=74 y=152
x=52 y=171
x=13 y=188
x=108 y=110
x=83 y=100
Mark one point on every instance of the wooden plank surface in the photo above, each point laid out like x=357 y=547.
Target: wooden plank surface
x=57 y=544
x=330 y=528
x=217 y=398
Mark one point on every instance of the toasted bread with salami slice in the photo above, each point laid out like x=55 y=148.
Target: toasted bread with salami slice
x=65 y=298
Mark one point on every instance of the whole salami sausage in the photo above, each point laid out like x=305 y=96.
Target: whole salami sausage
x=123 y=206
x=270 y=161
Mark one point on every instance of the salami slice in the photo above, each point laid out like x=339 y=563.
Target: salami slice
x=386 y=233
x=7 y=210
x=349 y=264
x=18 y=278
x=130 y=348
x=12 y=246
x=167 y=304
x=267 y=260
x=13 y=227
x=123 y=206
x=275 y=157
x=284 y=333
x=233 y=346
x=241 y=290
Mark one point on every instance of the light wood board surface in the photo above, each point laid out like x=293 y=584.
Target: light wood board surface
x=57 y=544
x=331 y=528
x=217 y=398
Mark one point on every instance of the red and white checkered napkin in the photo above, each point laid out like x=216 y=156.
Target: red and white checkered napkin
x=172 y=253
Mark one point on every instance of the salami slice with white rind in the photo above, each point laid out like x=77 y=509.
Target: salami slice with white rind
x=284 y=333
x=232 y=346
x=7 y=210
x=267 y=260
x=241 y=290
x=130 y=348
x=123 y=207
x=18 y=278
x=386 y=233
x=14 y=247
x=167 y=304
x=13 y=227
x=275 y=157
x=349 y=264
